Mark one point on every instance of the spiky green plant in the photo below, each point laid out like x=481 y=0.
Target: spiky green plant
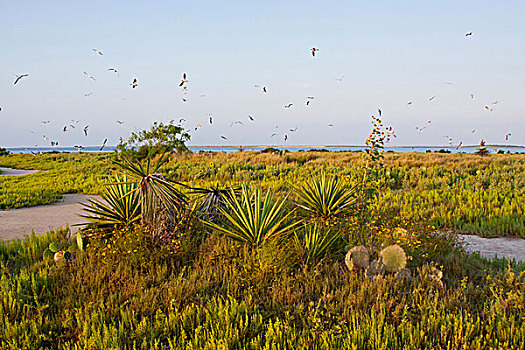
x=160 y=200
x=213 y=198
x=252 y=219
x=119 y=207
x=325 y=198
x=315 y=241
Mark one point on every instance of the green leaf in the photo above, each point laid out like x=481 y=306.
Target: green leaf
x=53 y=247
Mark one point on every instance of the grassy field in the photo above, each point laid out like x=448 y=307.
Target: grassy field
x=208 y=284
x=467 y=193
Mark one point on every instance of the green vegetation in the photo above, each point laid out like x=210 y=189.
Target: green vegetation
x=265 y=266
x=464 y=192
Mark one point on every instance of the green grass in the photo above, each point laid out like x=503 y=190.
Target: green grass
x=468 y=193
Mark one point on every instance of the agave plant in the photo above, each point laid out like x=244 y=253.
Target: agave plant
x=119 y=207
x=252 y=219
x=325 y=198
x=160 y=201
x=213 y=198
x=315 y=241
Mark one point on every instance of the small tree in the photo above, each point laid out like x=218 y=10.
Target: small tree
x=482 y=150
x=160 y=139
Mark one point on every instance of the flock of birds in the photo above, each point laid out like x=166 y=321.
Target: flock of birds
x=184 y=86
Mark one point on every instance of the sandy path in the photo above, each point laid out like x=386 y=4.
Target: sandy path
x=16 y=172
x=14 y=223
x=501 y=247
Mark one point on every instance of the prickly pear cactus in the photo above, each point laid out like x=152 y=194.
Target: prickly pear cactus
x=393 y=258
x=357 y=257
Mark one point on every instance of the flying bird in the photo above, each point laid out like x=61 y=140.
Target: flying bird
x=472 y=96
x=88 y=94
x=235 y=123
x=379 y=111
x=224 y=137
x=473 y=131
x=495 y=102
x=264 y=89
x=184 y=99
x=97 y=51
x=198 y=126
x=120 y=122
x=340 y=79
x=272 y=135
x=46 y=121
x=114 y=70
x=314 y=50
x=294 y=129
x=288 y=105
x=181 y=120
x=488 y=108
x=86 y=130
x=103 y=145
x=285 y=137
x=330 y=125
x=211 y=118
x=460 y=144
x=89 y=76
x=54 y=143
x=429 y=122
x=433 y=97
x=251 y=118
x=420 y=129
x=469 y=34
x=65 y=129
x=507 y=136
x=448 y=83
x=18 y=77
x=134 y=83
x=184 y=79
x=409 y=103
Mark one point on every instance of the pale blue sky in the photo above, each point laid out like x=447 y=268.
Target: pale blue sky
x=389 y=53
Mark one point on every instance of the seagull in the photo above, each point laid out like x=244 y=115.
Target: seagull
x=379 y=111
x=211 y=118
x=224 y=137
x=114 y=70
x=285 y=137
x=495 y=102
x=330 y=125
x=488 y=108
x=120 y=122
x=460 y=143
x=134 y=83
x=46 y=121
x=71 y=125
x=308 y=102
x=314 y=50
x=181 y=120
x=450 y=141
x=429 y=122
x=235 y=123
x=86 y=129
x=79 y=147
x=469 y=34
x=409 y=103
x=264 y=89
x=448 y=83
x=65 y=129
x=103 y=144
x=473 y=131
x=53 y=143
x=472 y=96
x=97 y=51
x=18 y=77
x=420 y=129
x=251 y=118
x=272 y=135
x=44 y=137
x=340 y=79
x=433 y=97
x=89 y=76
x=198 y=126
x=294 y=129
x=184 y=79
x=184 y=99
x=288 y=105
x=507 y=136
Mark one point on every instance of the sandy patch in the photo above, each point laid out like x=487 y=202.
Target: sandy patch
x=501 y=247
x=16 y=172
x=15 y=223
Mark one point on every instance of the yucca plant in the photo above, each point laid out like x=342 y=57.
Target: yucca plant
x=213 y=198
x=252 y=219
x=160 y=201
x=325 y=198
x=119 y=207
x=315 y=241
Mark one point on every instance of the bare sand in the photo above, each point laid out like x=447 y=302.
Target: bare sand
x=501 y=247
x=16 y=172
x=15 y=223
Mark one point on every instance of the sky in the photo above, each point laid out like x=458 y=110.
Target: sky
x=389 y=53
